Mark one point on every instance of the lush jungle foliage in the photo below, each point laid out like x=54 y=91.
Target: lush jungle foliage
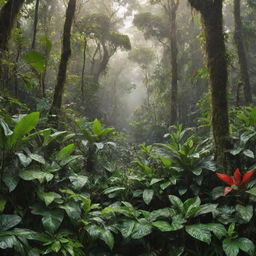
x=113 y=172
x=86 y=191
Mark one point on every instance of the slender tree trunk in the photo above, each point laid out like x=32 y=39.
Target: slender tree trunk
x=242 y=59
x=83 y=70
x=66 y=53
x=174 y=63
x=212 y=19
x=8 y=16
x=33 y=46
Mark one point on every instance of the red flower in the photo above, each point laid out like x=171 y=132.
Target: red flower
x=235 y=180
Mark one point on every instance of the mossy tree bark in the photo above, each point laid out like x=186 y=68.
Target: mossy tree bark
x=212 y=19
x=174 y=62
x=8 y=16
x=242 y=59
x=65 y=55
x=33 y=46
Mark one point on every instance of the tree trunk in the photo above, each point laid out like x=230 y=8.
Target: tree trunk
x=8 y=15
x=83 y=70
x=242 y=59
x=66 y=53
x=212 y=19
x=174 y=64
x=33 y=46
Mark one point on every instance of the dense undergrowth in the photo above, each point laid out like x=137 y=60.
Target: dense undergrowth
x=86 y=191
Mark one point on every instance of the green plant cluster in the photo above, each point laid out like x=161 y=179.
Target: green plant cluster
x=88 y=192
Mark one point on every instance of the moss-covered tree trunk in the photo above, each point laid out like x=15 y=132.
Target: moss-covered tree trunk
x=33 y=46
x=212 y=19
x=65 y=55
x=8 y=16
x=242 y=59
x=174 y=64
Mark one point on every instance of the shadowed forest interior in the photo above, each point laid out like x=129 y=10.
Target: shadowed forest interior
x=127 y=127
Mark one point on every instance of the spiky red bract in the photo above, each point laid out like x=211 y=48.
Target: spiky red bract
x=237 y=176
x=247 y=176
x=226 y=178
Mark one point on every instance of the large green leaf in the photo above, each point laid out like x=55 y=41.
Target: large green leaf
x=8 y=221
x=246 y=245
x=191 y=206
x=29 y=175
x=23 y=127
x=199 y=232
x=231 y=247
x=141 y=229
x=51 y=220
x=176 y=202
x=217 y=229
x=65 y=152
x=244 y=213
x=252 y=191
x=148 y=195
x=97 y=127
x=36 y=60
x=78 y=181
x=108 y=238
x=7 y=241
x=72 y=209
x=163 y=226
x=48 y=197
x=126 y=228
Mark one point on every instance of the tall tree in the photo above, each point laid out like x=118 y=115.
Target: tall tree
x=174 y=53
x=35 y=24
x=8 y=15
x=212 y=19
x=65 y=55
x=242 y=59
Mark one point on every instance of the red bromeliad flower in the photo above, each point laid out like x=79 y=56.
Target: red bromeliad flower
x=236 y=180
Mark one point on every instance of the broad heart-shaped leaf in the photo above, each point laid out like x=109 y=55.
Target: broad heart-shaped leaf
x=199 y=232
x=36 y=175
x=48 y=197
x=126 y=228
x=231 y=247
x=65 y=152
x=51 y=220
x=97 y=127
x=246 y=245
x=108 y=238
x=141 y=229
x=148 y=195
x=163 y=226
x=176 y=202
x=23 y=127
x=217 y=229
x=5 y=127
x=72 y=209
x=78 y=181
x=11 y=178
x=244 y=213
x=8 y=221
x=36 y=60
